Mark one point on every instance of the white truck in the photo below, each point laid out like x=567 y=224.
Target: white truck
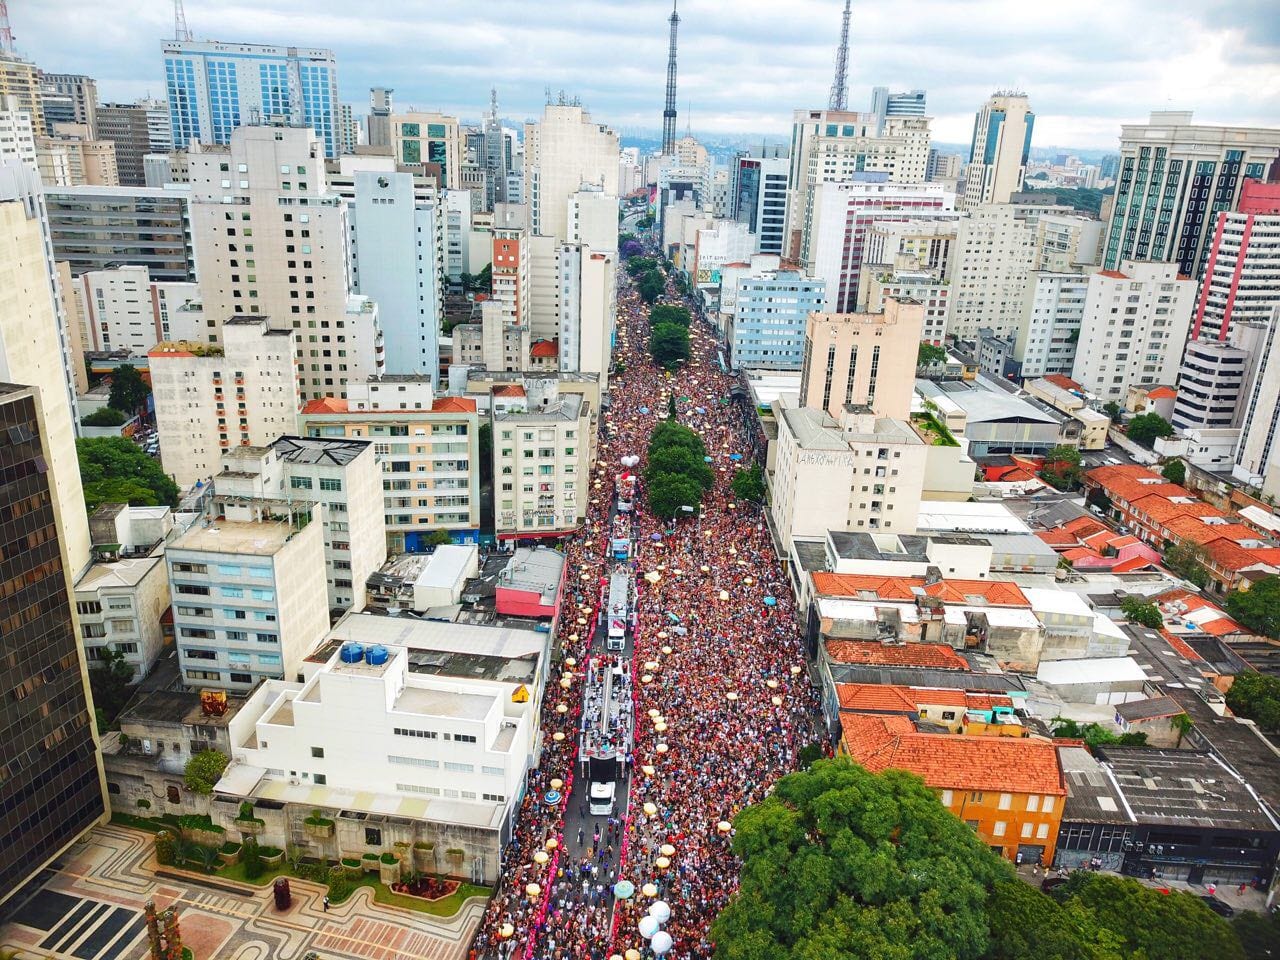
x=601 y=798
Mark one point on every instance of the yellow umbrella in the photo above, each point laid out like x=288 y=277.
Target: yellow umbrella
x=678 y=572
x=651 y=665
x=562 y=708
x=565 y=683
x=731 y=695
x=582 y=621
x=551 y=843
x=653 y=712
x=556 y=783
x=647 y=678
x=649 y=890
x=795 y=671
x=724 y=826
x=771 y=683
x=540 y=856
x=733 y=550
x=571 y=661
x=650 y=808
x=666 y=651
x=660 y=727
x=647 y=770
x=667 y=850
x=662 y=863
x=776 y=701
x=724 y=594
x=704 y=568
x=747 y=580
x=662 y=634
x=533 y=889
x=661 y=748
x=506 y=930
x=557 y=736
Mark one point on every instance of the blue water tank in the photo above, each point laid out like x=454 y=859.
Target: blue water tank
x=352 y=653
x=377 y=655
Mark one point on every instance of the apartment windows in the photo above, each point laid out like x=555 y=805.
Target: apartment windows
x=317 y=753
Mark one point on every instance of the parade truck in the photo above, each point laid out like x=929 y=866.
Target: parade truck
x=625 y=483
x=619 y=610
x=620 y=537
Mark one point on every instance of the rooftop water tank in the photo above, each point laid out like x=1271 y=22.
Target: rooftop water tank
x=377 y=655
x=352 y=653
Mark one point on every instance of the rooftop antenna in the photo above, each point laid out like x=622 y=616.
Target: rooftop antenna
x=6 y=32
x=669 y=113
x=688 y=109
x=180 y=29
x=840 y=85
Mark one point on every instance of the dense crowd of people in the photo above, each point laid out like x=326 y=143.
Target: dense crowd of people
x=722 y=702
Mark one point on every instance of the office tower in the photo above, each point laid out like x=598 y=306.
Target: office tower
x=843 y=212
x=834 y=145
x=994 y=255
x=71 y=159
x=36 y=348
x=397 y=258
x=1001 y=145
x=1133 y=329
x=213 y=88
x=925 y=244
x=1175 y=178
x=1052 y=311
x=54 y=788
x=271 y=236
x=760 y=199
x=348 y=130
x=1257 y=457
x=909 y=103
x=429 y=138
x=862 y=359
x=20 y=79
x=588 y=309
x=943 y=166
x=510 y=271
x=17 y=138
x=136 y=130
x=123 y=309
x=770 y=315
x=497 y=157
x=1242 y=278
x=562 y=152
x=1216 y=376
x=379 y=122
x=80 y=92
x=239 y=391
x=96 y=228
x=907 y=279
x=457 y=212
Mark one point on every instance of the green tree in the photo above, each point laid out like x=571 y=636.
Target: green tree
x=1062 y=467
x=1256 y=696
x=839 y=863
x=1147 y=428
x=644 y=223
x=105 y=417
x=1113 y=410
x=1138 y=610
x=748 y=484
x=929 y=354
x=1152 y=925
x=650 y=286
x=1175 y=471
x=481 y=282
x=1258 y=933
x=110 y=679
x=1094 y=734
x=681 y=461
x=1258 y=608
x=437 y=538
x=129 y=391
x=1187 y=561
x=106 y=461
x=639 y=265
x=669 y=345
x=669 y=433
x=670 y=313
x=203 y=770
x=669 y=492
x=1027 y=925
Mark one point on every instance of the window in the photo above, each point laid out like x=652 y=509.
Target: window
x=372 y=837
x=319 y=779
x=492 y=771
x=1006 y=801
x=1033 y=803
x=300 y=483
x=453 y=767
x=414 y=762
x=1047 y=806
x=975 y=796
x=1026 y=831
x=317 y=752
x=494 y=797
x=947 y=797
x=1042 y=831
x=330 y=483
x=241 y=678
x=998 y=829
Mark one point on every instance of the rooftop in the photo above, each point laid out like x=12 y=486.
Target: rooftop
x=1151 y=709
x=1093 y=670
x=535 y=569
x=911 y=676
x=315 y=450
x=265 y=538
x=118 y=574
x=1092 y=796
x=877 y=587
x=936 y=656
x=890 y=698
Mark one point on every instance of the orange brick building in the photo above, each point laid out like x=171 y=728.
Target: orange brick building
x=1010 y=790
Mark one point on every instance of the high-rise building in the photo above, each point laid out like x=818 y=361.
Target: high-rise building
x=587 y=308
x=429 y=138
x=378 y=126
x=835 y=145
x=96 y=228
x=1216 y=377
x=397 y=258
x=994 y=254
x=136 y=130
x=20 y=79
x=215 y=87
x=909 y=103
x=1175 y=178
x=271 y=238
x=1053 y=308
x=907 y=280
x=1133 y=329
x=36 y=346
x=71 y=158
x=759 y=199
x=862 y=359
x=82 y=94
x=54 y=789
x=348 y=130
x=237 y=392
x=1257 y=460
x=841 y=215
x=1001 y=145
x=945 y=167
x=17 y=137
x=1066 y=242
x=770 y=314
x=562 y=152
x=125 y=310
x=510 y=271
x=1242 y=278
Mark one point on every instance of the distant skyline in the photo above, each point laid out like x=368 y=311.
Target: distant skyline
x=744 y=67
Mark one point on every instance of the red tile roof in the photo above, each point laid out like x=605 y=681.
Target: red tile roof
x=1057 y=537
x=995 y=593
x=453 y=405
x=936 y=655
x=954 y=761
x=544 y=349
x=326 y=405
x=1132 y=564
x=509 y=390
x=1114 y=274
x=889 y=698
x=1066 y=383
x=1188 y=527
x=1161 y=393
x=1229 y=556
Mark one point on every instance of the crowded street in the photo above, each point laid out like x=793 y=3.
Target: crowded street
x=722 y=701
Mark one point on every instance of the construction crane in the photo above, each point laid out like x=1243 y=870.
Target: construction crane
x=840 y=85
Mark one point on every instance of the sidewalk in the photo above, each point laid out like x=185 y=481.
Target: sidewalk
x=1251 y=899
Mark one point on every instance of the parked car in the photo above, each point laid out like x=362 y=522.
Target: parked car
x=1049 y=884
x=1218 y=907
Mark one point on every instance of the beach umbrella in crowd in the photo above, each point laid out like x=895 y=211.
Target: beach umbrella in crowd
x=506 y=930
x=624 y=889
x=770 y=601
x=660 y=910
x=648 y=926
x=533 y=890
x=661 y=943
x=540 y=857
x=649 y=890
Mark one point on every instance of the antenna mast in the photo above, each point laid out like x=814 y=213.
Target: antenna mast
x=180 y=29
x=669 y=114
x=6 y=32
x=840 y=85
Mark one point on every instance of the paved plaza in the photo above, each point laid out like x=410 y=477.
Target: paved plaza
x=89 y=907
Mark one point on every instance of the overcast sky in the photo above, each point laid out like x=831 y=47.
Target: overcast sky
x=1088 y=66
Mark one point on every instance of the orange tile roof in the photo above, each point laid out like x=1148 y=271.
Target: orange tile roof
x=1162 y=393
x=1114 y=274
x=1181 y=647
x=996 y=593
x=1188 y=527
x=1132 y=564
x=954 y=761
x=1160 y=509
x=935 y=655
x=325 y=405
x=1066 y=383
x=1270 y=555
x=509 y=390
x=1057 y=537
x=544 y=349
x=453 y=405
x=1081 y=553
x=890 y=698
x=1083 y=526
x=1230 y=556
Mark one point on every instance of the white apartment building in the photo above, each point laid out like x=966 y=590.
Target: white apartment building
x=593 y=219
x=457 y=214
x=929 y=243
x=510 y=270
x=1067 y=243
x=541 y=459
x=124 y=309
x=427 y=448
x=1133 y=329
x=994 y=255
x=1241 y=282
x=562 y=152
x=859 y=473
x=725 y=241
x=587 y=308
x=401 y=732
x=1053 y=308
x=248 y=592
x=1257 y=460
x=1216 y=377
x=835 y=145
x=1001 y=144
x=271 y=240
x=17 y=137
x=345 y=476
x=209 y=397
x=842 y=213
x=880 y=282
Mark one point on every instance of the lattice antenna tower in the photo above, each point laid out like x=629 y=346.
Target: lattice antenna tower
x=180 y=29
x=840 y=85
x=6 y=31
x=669 y=112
